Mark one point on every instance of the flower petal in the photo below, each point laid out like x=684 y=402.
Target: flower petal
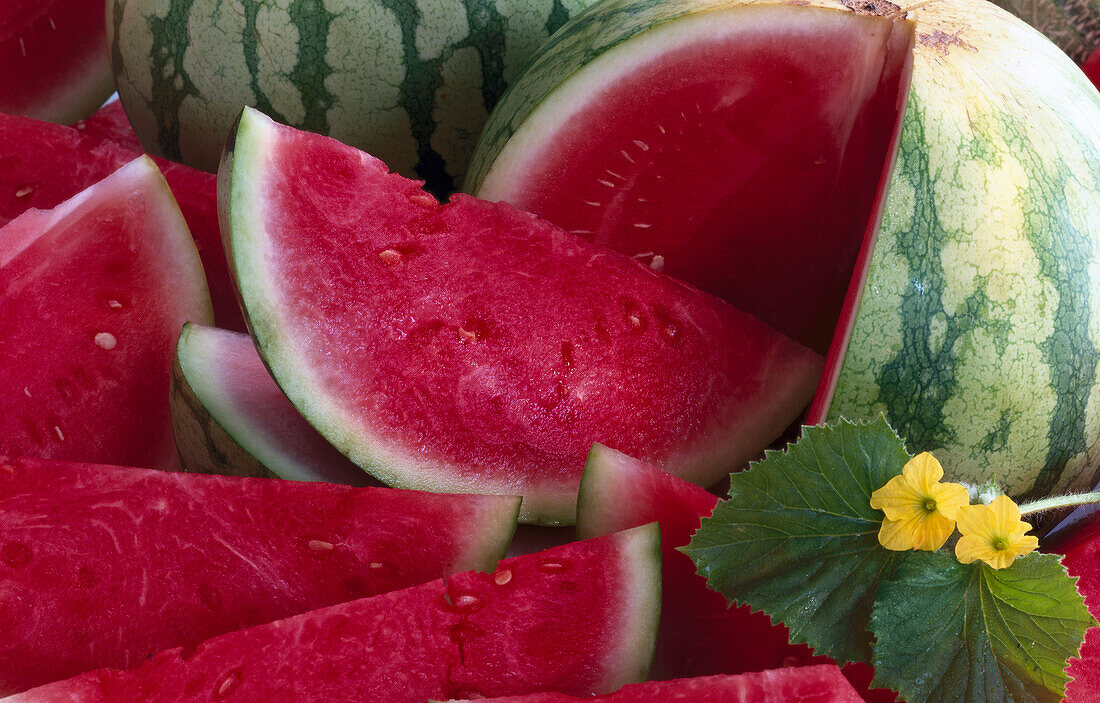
x=976 y=520
x=949 y=498
x=897 y=499
x=1007 y=513
x=922 y=472
x=896 y=535
x=970 y=549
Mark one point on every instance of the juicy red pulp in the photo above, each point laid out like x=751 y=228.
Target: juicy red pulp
x=779 y=149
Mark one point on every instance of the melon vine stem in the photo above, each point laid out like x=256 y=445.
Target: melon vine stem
x=1054 y=502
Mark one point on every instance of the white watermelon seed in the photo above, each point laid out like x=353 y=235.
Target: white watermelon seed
x=502 y=577
x=114 y=304
x=641 y=145
x=27 y=391
x=390 y=256
x=106 y=340
x=60 y=435
x=24 y=191
x=658 y=263
x=320 y=545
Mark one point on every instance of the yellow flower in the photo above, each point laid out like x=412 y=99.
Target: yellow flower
x=920 y=511
x=993 y=533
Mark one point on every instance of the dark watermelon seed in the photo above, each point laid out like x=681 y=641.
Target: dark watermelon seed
x=15 y=554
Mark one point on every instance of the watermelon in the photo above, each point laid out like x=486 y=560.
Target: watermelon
x=699 y=635
x=103 y=566
x=54 y=55
x=1081 y=550
x=42 y=164
x=229 y=417
x=912 y=193
x=94 y=293
x=820 y=684
x=424 y=359
x=578 y=619
x=412 y=83
x=110 y=124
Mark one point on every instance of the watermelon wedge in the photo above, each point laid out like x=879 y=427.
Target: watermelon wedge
x=820 y=684
x=700 y=634
x=472 y=347
x=579 y=618
x=43 y=164
x=110 y=124
x=909 y=189
x=103 y=566
x=94 y=293
x=229 y=417
x=54 y=58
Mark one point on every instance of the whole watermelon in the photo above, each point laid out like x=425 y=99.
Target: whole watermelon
x=410 y=81
x=968 y=311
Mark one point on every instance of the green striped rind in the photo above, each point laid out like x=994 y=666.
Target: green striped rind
x=1074 y=25
x=978 y=334
x=409 y=82
x=640 y=573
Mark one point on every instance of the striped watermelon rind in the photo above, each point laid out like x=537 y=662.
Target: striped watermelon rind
x=977 y=329
x=411 y=83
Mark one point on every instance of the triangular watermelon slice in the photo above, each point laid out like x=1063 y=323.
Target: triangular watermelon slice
x=700 y=633
x=817 y=684
x=229 y=417
x=103 y=566
x=578 y=618
x=43 y=164
x=472 y=347
x=92 y=296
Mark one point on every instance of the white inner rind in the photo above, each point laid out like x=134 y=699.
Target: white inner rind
x=640 y=573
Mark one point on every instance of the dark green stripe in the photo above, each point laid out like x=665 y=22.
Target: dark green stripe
x=311 y=69
x=170 y=45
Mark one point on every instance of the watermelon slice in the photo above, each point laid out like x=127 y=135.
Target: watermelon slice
x=579 y=619
x=820 y=684
x=42 y=164
x=472 y=347
x=94 y=293
x=103 y=566
x=54 y=54
x=1081 y=547
x=700 y=634
x=110 y=124
x=229 y=417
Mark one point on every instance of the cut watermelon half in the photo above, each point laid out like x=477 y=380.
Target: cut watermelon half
x=1081 y=550
x=472 y=347
x=94 y=293
x=103 y=566
x=229 y=417
x=810 y=684
x=700 y=634
x=43 y=164
x=54 y=54
x=579 y=619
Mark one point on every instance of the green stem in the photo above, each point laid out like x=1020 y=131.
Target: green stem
x=1069 y=501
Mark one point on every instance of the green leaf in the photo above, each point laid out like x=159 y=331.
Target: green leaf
x=967 y=632
x=798 y=538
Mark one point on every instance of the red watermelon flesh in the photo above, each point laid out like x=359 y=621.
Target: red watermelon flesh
x=810 y=684
x=700 y=634
x=1091 y=68
x=110 y=124
x=103 y=566
x=790 y=134
x=578 y=618
x=94 y=293
x=1081 y=547
x=43 y=164
x=473 y=347
x=54 y=58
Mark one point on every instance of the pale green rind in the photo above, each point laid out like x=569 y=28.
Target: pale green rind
x=1074 y=25
x=409 y=82
x=978 y=333
x=249 y=244
x=601 y=485
x=640 y=569
x=489 y=544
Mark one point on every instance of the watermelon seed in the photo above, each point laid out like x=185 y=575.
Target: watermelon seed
x=580 y=232
x=320 y=545
x=423 y=200
x=467 y=335
x=635 y=321
x=641 y=145
x=16 y=554
x=467 y=604
x=114 y=304
x=609 y=184
x=25 y=191
x=552 y=566
x=60 y=436
x=643 y=225
x=593 y=203
x=26 y=391
x=502 y=577
x=626 y=155
x=658 y=263
x=613 y=174
x=229 y=682
x=390 y=257
x=106 y=340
